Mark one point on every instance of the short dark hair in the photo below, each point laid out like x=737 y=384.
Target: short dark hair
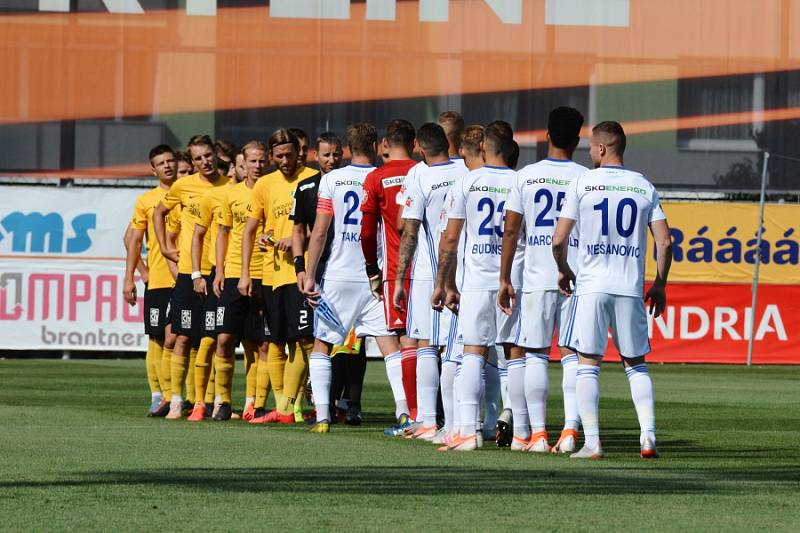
x=500 y=135
x=614 y=132
x=200 y=140
x=282 y=136
x=453 y=124
x=328 y=137
x=513 y=158
x=400 y=132
x=180 y=155
x=300 y=134
x=160 y=149
x=432 y=139
x=564 y=127
x=361 y=138
x=226 y=148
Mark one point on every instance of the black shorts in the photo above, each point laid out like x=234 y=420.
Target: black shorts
x=255 y=328
x=186 y=308
x=156 y=311
x=288 y=314
x=209 y=325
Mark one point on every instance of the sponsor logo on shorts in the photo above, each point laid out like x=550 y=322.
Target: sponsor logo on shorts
x=186 y=318
x=154 y=311
x=210 y=320
x=220 y=315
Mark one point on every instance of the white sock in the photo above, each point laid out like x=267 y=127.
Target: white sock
x=447 y=384
x=176 y=400
x=644 y=400
x=481 y=399
x=319 y=367
x=502 y=370
x=248 y=401
x=469 y=392
x=218 y=399
x=492 y=400
x=587 y=390
x=155 y=396
x=516 y=391
x=427 y=383
x=459 y=359
x=394 y=371
x=569 y=365
x=536 y=389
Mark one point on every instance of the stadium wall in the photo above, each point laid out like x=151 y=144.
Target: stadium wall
x=62 y=267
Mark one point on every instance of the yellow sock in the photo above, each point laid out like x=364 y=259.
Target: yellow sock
x=202 y=368
x=190 y=376
x=178 y=371
x=166 y=372
x=151 y=361
x=211 y=388
x=223 y=374
x=276 y=363
x=250 y=363
x=295 y=374
x=262 y=383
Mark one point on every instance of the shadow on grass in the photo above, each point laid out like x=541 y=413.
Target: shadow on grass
x=442 y=481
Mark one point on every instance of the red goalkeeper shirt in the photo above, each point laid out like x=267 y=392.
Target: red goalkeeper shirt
x=380 y=214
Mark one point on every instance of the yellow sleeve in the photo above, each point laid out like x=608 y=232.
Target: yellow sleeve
x=173 y=196
x=139 y=220
x=225 y=217
x=205 y=210
x=258 y=200
x=174 y=220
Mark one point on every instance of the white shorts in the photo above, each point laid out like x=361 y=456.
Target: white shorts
x=590 y=317
x=353 y=302
x=483 y=323
x=418 y=322
x=541 y=313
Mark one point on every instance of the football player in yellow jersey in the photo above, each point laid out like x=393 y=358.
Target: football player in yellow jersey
x=288 y=314
x=161 y=278
x=208 y=208
x=186 y=306
x=239 y=317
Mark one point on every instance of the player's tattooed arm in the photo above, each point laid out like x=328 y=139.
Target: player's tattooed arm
x=446 y=273
x=408 y=245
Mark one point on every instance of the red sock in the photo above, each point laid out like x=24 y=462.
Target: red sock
x=408 y=361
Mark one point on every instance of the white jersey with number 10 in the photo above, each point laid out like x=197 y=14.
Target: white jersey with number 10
x=479 y=199
x=340 y=193
x=613 y=207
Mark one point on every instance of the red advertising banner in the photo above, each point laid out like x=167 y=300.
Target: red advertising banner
x=708 y=323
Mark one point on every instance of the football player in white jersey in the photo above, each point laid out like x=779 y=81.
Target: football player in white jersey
x=423 y=215
x=532 y=207
x=345 y=291
x=612 y=208
x=477 y=208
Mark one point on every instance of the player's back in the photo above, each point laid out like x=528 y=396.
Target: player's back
x=341 y=192
x=425 y=199
x=613 y=207
x=480 y=200
x=538 y=195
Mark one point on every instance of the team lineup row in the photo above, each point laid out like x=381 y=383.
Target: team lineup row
x=440 y=261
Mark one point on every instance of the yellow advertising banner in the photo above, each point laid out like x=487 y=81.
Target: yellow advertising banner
x=716 y=243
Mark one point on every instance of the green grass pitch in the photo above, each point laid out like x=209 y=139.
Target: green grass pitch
x=79 y=454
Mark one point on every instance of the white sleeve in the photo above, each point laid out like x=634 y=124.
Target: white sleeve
x=570 y=209
x=325 y=190
x=514 y=198
x=414 y=206
x=402 y=196
x=656 y=213
x=458 y=202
